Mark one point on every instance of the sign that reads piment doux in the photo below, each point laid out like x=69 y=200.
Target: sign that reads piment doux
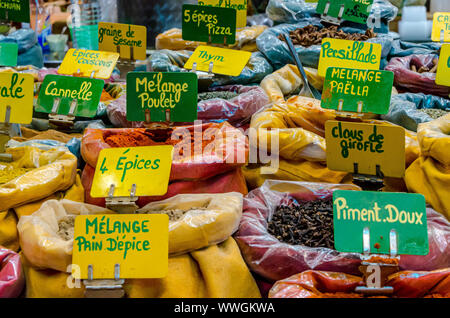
x=363 y=91
x=443 y=70
x=138 y=243
x=158 y=93
x=128 y=40
x=441 y=27
x=239 y=5
x=368 y=145
x=85 y=91
x=218 y=60
x=146 y=167
x=349 y=54
x=354 y=10
x=16 y=92
x=209 y=24
x=15 y=10
x=87 y=63
x=380 y=212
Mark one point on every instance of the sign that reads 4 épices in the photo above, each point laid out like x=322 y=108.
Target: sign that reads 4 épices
x=354 y=10
x=209 y=24
x=16 y=93
x=380 y=212
x=127 y=39
x=15 y=10
x=363 y=91
x=170 y=96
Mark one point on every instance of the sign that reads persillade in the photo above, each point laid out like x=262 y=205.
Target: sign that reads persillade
x=15 y=10
x=380 y=212
x=364 y=91
x=159 y=93
x=354 y=10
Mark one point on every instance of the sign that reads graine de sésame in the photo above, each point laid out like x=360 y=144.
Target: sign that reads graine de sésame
x=354 y=10
x=364 y=91
x=160 y=92
x=380 y=212
x=127 y=39
x=15 y=10
x=368 y=145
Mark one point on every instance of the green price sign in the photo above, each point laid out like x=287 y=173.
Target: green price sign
x=160 y=96
x=352 y=90
x=380 y=213
x=351 y=10
x=209 y=24
x=8 y=54
x=80 y=94
x=15 y=10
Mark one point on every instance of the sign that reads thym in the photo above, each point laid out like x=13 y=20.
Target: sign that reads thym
x=239 y=5
x=17 y=93
x=354 y=10
x=349 y=54
x=138 y=243
x=8 y=54
x=158 y=93
x=128 y=40
x=85 y=91
x=441 y=27
x=380 y=212
x=443 y=70
x=364 y=91
x=146 y=167
x=368 y=145
x=15 y=10
x=209 y=24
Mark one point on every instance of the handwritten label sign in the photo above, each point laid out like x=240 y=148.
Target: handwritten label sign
x=354 y=10
x=162 y=92
x=441 y=27
x=8 y=54
x=86 y=92
x=147 y=167
x=15 y=10
x=364 y=91
x=239 y=5
x=209 y=24
x=368 y=145
x=128 y=40
x=224 y=61
x=16 y=92
x=443 y=70
x=87 y=62
x=139 y=243
x=380 y=212
x=349 y=54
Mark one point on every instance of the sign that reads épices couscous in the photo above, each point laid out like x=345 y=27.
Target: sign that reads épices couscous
x=380 y=212
x=15 y=10
x=128 y=40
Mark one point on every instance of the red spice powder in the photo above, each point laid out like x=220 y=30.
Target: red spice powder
x=382 y=260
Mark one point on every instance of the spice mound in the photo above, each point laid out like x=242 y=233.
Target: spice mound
x=434 y=112
x=9 y=172
x=175 y=214
x=220 y=94
x=308 y=223
x=139 y=138
x=382 y=260
x=311 y=35
x=66 y=227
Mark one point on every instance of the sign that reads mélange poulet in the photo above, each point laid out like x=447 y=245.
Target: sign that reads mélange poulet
x=209 y=24
x=364 y=91
x=85 y=92
x=367 y=145
x=380 y=212
x=239 y=5
x=16 y=92
x=138 y=243
x=127 y=39
x=168 y=96
x=15 y=10
x=353 y=10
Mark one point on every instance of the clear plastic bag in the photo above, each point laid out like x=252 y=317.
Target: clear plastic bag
x=12 y=279
x=402 y=48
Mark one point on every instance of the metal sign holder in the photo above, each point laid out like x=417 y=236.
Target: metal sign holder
x=125 y=205
x=324 y=17
x=104 y=288
x=5 y=130
x=125 y=65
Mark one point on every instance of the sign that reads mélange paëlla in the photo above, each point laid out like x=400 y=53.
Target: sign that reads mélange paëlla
x=368 y=145
x=364 y=91
x=85 y=91
x=138 y=243
x=146 y=167
x=441 y=27
x=348 y=54
x=209 y=24
x=354 y=10
x=380 y=212
x=158 y=93
x=443 y=70
x=127 y=39
x=15 y=10
x=16 y=92
x=239 y=5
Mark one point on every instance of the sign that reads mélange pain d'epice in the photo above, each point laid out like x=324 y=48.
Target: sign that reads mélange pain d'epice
x=380 y=212
x=127 y=39
x=160 y=92
x=348 y=54
x=364 y=91
x=15 y=10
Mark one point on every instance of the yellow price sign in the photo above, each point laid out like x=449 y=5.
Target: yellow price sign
x=138 y=243
x=127 y=39
x=87 y=63
x=443 y=70
x=218 y=60
x=348 y=54
x=146 y=167
x=16 y=93
x=441 y=27
x=239 y=5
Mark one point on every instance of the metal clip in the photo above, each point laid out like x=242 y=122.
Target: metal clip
x=62 y=122
x=167 y=112
x=360 y=107
x=341 y=12
x=7 y=114
x=122 y=204
x=147 y=116
x=211 y=64
x=92 y=74
x=125 y=65
x=393 y=243
x=110 y=288
x=326 y=18
x=442 y=37
x=366 y=241
x=224 y=40
x=368 y=182
x=194 y=67
x=327 y=7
